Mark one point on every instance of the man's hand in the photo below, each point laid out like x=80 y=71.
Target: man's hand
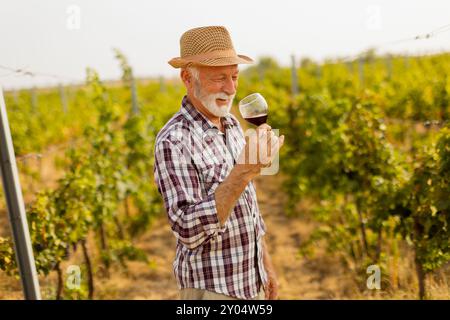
x=271 y=289
x=260 y=149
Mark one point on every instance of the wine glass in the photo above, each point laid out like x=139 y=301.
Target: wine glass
x=254 y=109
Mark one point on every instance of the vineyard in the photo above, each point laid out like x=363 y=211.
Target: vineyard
x=365 y=166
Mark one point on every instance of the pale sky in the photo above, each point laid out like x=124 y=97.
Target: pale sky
x=50 y=37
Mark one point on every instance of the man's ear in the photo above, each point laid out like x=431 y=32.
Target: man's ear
x=186 y=77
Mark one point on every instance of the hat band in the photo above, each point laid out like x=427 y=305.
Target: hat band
x=210 y=55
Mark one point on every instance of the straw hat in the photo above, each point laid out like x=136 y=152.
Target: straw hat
x=207 y=46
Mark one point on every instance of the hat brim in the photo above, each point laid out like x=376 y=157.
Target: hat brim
x=219 y=61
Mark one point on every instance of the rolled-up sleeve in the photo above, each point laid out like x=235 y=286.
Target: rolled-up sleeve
x=192 y=214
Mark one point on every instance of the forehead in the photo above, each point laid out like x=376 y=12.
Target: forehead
x=219 y=70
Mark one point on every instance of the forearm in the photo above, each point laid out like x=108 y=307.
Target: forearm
x=245 y=170
x=268 y=265
x=230 y=190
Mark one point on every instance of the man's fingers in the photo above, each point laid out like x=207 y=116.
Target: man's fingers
x=264 y=127
x=281 y=140
x=263 y=133
x=247 y=149
x=276 y=144
x=273 y=295
x=270 y=139
x=262 y=147
x=271 y=292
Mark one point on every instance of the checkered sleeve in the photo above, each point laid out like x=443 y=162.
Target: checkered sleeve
x=262 y=225
x=192 y=215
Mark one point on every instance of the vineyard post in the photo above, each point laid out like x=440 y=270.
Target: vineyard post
x=361 y=70
x=162 y=84
x=16 y=97
x=16 y=209
x=406 y=62
x=388 y=61
x=34 y=101
x=318 y=71
x=349 y=65
x=260 y=71
x=62 y=97
x=134 y=99
x=294 y=77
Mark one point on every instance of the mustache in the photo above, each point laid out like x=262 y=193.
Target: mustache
x=222 y=95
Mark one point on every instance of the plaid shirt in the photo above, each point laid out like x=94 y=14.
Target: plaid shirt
x=192 y=157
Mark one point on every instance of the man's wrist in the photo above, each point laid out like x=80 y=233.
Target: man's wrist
x=246 y=172
x=270 y=272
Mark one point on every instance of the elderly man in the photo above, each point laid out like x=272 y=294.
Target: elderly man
x=204 y=175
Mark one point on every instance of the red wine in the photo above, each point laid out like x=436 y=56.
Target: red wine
x=258 y=120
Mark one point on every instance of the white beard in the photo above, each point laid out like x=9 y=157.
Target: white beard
x=209 y=101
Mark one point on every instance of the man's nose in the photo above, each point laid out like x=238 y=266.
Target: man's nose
x=229 y=87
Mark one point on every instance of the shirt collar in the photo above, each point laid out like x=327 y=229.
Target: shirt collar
x=193 y=114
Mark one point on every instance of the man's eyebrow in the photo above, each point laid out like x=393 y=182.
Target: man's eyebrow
x=225 y=74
